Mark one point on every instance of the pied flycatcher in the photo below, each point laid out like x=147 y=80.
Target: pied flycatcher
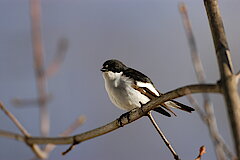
x=128 y=88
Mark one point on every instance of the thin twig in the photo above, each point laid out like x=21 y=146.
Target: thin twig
x=35 y=13
x=198 y=68
x=200 y=112
x=14 y=120
x=12 y=135
x=76 y=124
x=163 y=136
x=30 y=102
x=72 y=146
x=58 y=59
x=202 y=151
x=207 y=115
x=38 y=152
x=218 y=139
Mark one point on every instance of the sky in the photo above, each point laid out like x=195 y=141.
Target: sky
x=147 y=35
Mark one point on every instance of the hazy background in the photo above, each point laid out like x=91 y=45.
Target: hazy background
x=145 y=34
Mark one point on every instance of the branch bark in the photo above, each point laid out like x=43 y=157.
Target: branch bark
x=133 y=115
x=228 y=79
x=207 y=115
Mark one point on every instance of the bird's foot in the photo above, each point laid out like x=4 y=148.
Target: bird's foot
x=122 y=117
x=142 y=106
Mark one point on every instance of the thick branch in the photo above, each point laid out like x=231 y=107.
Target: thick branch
x=238 y=76
x=133 y=115
x=228 y=79
x=207 y=115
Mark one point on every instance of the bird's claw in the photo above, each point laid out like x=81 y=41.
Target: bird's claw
x=120 y=119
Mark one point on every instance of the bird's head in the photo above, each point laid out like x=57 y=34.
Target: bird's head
x=113 y=65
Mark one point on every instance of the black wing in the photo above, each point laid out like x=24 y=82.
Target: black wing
x=136 y=75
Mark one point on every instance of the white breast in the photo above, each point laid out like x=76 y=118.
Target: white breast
x=121 y=93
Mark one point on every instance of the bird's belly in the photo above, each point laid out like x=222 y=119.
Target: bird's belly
x=125 y=97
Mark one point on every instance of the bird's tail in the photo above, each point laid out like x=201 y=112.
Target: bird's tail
x=172 y=104
x=178 y=105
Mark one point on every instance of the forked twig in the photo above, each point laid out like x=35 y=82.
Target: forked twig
x=207 y=115
x=14 y=120
x=133 y=116
x=38 y=152
x=76 y=124
x=155 y=124
x=42 y=154
x=227 y=76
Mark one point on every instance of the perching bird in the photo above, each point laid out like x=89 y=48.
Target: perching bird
x=128 y=88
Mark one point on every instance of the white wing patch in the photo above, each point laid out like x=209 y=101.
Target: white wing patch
x=149 y=86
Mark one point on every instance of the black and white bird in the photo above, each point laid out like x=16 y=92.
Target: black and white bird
x=128 y=88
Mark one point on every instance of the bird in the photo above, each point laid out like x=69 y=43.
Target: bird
x=128 y=88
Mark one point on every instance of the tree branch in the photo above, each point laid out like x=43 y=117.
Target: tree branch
x=14 y=120
x=208 y=116
x=133 y=115
x=76 y=124
x=238 y=76
x=38 y=152
x=35 y=14
x=228 y=79
x=198 y=68
x=42 y=154
x=30 y=102
x=58 y=59
x=176 y=157
x=12 y=135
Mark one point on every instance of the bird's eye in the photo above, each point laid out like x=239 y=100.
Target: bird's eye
x=106 y=66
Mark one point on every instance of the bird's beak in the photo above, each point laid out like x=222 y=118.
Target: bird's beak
x=103 y=69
